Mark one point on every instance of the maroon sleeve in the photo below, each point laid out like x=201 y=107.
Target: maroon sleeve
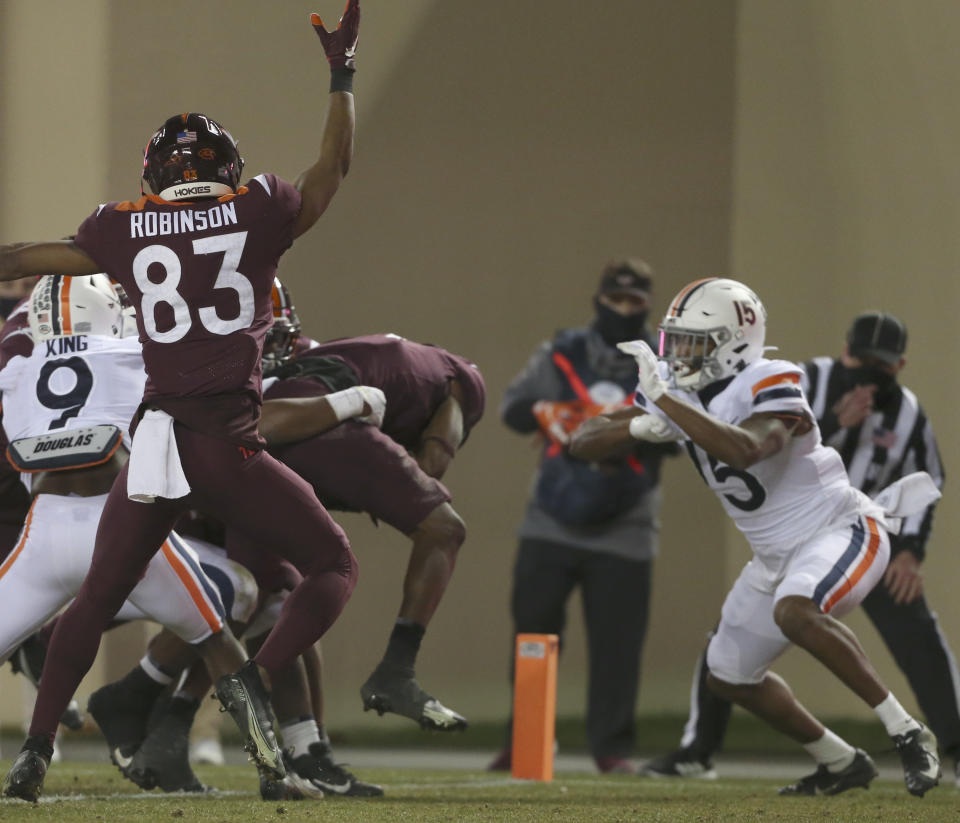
x=296 y=387
x=473 y=391
x=303 y=345
x=285 y=201
x=87 y=238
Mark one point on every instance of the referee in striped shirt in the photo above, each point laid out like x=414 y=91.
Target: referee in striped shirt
x=882 y=434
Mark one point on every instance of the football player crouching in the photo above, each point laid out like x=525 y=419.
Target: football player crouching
x=819 y=544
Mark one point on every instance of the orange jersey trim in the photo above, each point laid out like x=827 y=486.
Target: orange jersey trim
x=774 y=380
x=861 y=569
x=211 y=617
x=22 y=542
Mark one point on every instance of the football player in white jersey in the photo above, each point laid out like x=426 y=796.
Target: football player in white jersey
x=67 y=408
x=819 y=544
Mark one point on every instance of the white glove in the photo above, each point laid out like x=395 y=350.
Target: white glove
x=349 y=403
x=651 y=383
x=651 y=428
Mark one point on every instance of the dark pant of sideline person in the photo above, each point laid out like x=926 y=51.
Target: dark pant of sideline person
x=616 y=596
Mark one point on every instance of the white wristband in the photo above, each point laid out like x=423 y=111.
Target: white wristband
x=346 y=404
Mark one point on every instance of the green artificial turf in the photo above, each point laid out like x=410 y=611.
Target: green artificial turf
x=655 y=734
x=96 y=793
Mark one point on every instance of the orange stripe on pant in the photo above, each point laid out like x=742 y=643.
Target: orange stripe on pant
x=861 y=569
x=212 y=618
x=23 y=539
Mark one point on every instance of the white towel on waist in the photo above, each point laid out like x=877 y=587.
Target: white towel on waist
x=154 y=469
x=909 y=495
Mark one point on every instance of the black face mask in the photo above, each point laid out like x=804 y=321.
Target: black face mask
x=885 y=382
x=615 y=327
x=7 y=305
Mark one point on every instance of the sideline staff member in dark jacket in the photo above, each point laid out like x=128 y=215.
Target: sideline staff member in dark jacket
x=592 y=525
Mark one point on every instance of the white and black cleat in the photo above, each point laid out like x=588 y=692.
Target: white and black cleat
x=399 y=693
x=921 y=763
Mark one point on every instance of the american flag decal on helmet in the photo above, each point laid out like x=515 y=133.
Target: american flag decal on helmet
x=186 y=137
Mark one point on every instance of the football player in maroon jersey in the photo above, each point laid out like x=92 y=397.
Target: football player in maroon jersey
x=197 y=258
x=431 y=394
x=434 y=398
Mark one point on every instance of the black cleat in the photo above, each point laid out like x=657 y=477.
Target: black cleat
x=25 y=778
x=290 y=787
x=921 y=764
x=681 y=763
x=122 y=716
x=243 y=695
x=396 y=691
x=317 y=768
x=823 y=781
x=162 y=760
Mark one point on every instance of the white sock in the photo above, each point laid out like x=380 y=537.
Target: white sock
x=153 y=671
x=831 y=751
x=894 y=717
x=298 y=735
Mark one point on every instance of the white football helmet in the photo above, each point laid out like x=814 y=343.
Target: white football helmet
x=713 y=329
x=62 y=306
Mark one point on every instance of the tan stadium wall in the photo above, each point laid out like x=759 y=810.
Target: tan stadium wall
x=504 y=151
x=846 y=199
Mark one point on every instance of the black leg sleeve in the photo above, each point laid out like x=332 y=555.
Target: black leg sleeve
x=709 y=715
x=913 y=636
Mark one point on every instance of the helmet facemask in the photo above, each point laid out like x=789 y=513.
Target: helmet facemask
x=281 y=340
x=691 y=354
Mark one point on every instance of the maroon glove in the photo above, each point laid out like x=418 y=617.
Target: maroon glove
x=340 y=44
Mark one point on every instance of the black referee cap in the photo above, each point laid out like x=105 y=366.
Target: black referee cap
x=877 y=334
